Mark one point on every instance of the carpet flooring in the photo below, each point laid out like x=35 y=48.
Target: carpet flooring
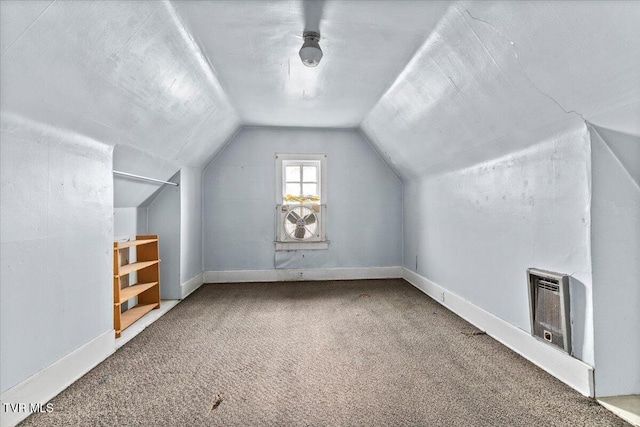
x=354 y=353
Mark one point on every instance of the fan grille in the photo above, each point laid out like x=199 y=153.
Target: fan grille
x=300 y=223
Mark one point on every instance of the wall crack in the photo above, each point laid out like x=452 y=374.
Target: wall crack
x=524 y=71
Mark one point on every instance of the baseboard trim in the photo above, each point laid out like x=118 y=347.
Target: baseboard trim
x=188 y=287
x=285 y=275
x=46 y=384
x=567 y=369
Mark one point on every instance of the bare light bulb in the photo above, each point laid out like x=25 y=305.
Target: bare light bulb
x=310 y=52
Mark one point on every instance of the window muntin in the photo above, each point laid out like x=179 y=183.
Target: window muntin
x=302 y=181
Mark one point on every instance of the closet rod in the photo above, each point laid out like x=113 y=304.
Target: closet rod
x=130 y=175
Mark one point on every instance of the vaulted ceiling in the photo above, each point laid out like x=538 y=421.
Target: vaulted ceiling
x=433 y=85
x=253 y=46
x=496 y=77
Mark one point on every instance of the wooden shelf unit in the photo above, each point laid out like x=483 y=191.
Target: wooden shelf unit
x=135 y=266
x=148 y=287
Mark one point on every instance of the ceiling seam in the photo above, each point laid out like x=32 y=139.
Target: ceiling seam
x=195 y=128
x=27 y=29
x=387 y=161
x=402 y=71
x=201 y=58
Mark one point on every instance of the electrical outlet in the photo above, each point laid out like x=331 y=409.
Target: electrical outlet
x=442 y=296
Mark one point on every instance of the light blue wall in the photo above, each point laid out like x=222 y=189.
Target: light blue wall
x=364 y=202
x=125 y=222
x=190 y=223
x=476 y=230
x=56 y=211
x=163 y=219
x=133 y=220
x=615 y=249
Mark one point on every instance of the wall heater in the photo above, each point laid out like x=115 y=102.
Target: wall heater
x=549 y=307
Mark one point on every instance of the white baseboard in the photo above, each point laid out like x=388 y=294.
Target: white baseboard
x=285 y=275
x=567 y=369
x=626 y=407
x=46 y=384
x=191 y=285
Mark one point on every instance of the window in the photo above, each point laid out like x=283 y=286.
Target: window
x=300 y=201
x=301 y=181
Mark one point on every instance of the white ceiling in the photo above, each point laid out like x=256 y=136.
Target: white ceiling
x=253 y=46
x=124 y=73
x=434 y=85
x=496 y=77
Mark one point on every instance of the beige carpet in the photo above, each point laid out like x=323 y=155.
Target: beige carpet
x=359 y=353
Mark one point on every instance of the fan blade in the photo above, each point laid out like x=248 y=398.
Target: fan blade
x=313 y=14
x=300 y=232
x=310 y=219
x=293 y=217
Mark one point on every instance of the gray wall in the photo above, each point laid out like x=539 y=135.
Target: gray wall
x=129 y=222
x=190 y=223
x=175 y=213
x=163 y=219
x=125 y=222
x=56 y=210
x=476 y=230
x=239 y=202
x=615 y=238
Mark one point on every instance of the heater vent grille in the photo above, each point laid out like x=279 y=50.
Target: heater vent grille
x=550 y=286
x=549 y=301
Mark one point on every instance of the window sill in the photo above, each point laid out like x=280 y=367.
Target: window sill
x=301 y=246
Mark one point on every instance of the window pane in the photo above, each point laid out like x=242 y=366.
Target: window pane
x=293 y=173
x=309 y=174
x=293 y=189
x=310 y=189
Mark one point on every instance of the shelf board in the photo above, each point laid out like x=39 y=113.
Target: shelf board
x=133 y=290
x=135 y=313
x=130 y=268
x=123 y=245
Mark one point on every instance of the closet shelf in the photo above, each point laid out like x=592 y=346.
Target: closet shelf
x=124 y=245
x=134 y=290
x=147 y=290
x=130 y=268
x=133 y=314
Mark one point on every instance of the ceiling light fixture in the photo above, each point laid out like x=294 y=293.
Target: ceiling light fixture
x=310 y=52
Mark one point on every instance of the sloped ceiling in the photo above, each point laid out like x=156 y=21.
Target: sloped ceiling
x=124 y=73
x=495 y=77
x=434 y=85
x=254 y=47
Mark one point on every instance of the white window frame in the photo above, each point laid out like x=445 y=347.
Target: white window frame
x=282 y=160
x=301 y=164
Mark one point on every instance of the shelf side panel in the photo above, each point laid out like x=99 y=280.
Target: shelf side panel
x=117 y=319
x=148 y=252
